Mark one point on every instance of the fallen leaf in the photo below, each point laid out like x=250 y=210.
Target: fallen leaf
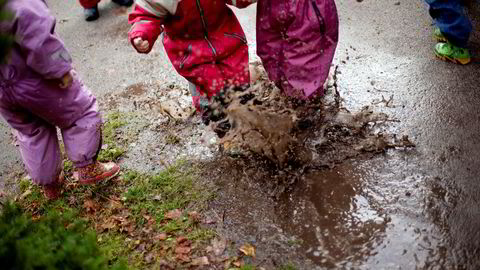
x=25 y=194
x=182 y=257
x=239 y=263
x=200 y=261
x=248 y=250
x=194 y=216
x=89 y=205
x=141 y=247
x=219 y=246
x=160 y=237
x=108 y=225
x=182 y=240
x=72 y=200
x=147 y=230
x=209 y=220
x=174 y=214
x=182 y=250
x=149 y=258
x=115 y=205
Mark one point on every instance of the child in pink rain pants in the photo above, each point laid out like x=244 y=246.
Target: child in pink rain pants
x=203 y=40
x=296 y=41
x=39 y=92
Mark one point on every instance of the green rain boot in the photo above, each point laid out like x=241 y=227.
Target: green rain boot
x=451 y=53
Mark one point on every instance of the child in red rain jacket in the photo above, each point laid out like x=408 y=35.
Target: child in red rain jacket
x=203 y=40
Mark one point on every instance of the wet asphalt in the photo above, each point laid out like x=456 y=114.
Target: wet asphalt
x=404 y=209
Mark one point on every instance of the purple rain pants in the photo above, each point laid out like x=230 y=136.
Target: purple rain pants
x=34 y=108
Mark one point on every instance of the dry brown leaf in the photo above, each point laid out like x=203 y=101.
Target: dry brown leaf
x=160 y=237
x=200 y=261
x=182 y=250
x=72 y=200
x=238 y=263
x=209 y=220
x=115 y=205
x=108 y=225
x=248 y=250
x=149 y=258
x=219 y=246
x=90 y=205
x=174 y=214
x=181 y=240
x=194 y=216
x=182 y=257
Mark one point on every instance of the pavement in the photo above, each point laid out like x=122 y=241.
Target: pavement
x=428 y=199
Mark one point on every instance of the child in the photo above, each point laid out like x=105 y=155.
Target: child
x=203 y=40
x=452 y=31
x=39 y=91
x=91 y=7
x=296 y=41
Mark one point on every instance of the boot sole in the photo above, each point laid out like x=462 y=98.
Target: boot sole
x=453 y=60
x=97 y=180
x=439 y=39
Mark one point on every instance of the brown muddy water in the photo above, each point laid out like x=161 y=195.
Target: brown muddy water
x=363 y=199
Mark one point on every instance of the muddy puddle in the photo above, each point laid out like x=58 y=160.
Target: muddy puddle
x=316 y=185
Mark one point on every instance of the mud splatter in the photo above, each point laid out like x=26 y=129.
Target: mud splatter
x=318 y=133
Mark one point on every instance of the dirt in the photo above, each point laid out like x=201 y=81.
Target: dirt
x=168 y=130
x=270 y=192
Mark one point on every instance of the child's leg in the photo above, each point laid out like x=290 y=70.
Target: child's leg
x=83 y=138
x=199 y=101
x=89 y=3
x=74 y=111
x=38 y=144
x=91 y=9
x=236 y=68
x=450 y=18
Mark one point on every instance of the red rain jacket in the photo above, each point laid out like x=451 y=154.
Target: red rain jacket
x=203 y=40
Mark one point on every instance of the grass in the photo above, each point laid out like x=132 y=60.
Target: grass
x=288 y=266
x=112 y=149
x=126 y=212
x=142 y=202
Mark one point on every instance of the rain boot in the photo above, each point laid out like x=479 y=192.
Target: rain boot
x=54 y=190
x=124 y=3
x=91 y=14
x=451 y=53
x=96 y=172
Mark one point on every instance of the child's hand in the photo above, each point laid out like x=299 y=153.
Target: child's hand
x=141 y=45
x=66 y=81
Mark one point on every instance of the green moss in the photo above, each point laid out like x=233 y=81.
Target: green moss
x=288 y=266
x=56 y=241
x=172 y=139
x=112 y=147
x=201 y=234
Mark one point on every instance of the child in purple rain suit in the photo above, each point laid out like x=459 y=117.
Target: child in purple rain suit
x=39 y=92
x=296 y=41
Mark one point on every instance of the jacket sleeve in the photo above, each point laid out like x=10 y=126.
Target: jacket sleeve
x=147 y=19
x=45 y=53
x=241 y=3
